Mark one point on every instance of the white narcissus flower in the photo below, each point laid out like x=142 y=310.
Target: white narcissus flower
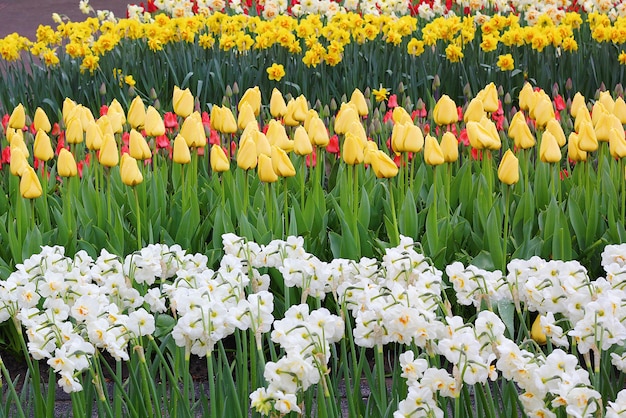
x=617 y=408
x=412 y=368
x=141 y=323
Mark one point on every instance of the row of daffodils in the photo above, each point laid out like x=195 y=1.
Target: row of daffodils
x=163 y=302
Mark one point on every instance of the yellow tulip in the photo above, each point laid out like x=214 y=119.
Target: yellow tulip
x=68 y=108
x=490 y=127
x=401 y=116
x=251 y=96
x=445 y=112
x=489 y=97
x=247 y=154
x=520 y=132
x=104 y=122
x=217 y=121
x=154 y=125
x=281 y=163
x=549 y=150
x=588 y=141
x=607 y=123
x=41 y=121
x=129 y=171
x=383 y=165
x=116 y=121
x=574 y=152
x=508 y=170
x=85 y=115
x=276 y=135
x=74 y=131
x=536 y=332
x=475 y=111
x=265 y=170
x=356 y=128
x=353 y=150
x=318 y=134
x=109 y=155
x=228 y=123
x=66 y=164
x=301 y=108
x=345 y=117
x=433 y=154
x=278 y=107
x=358 y=100
x=137 y=113
x=193 y=131
x=526 y=96
x=181 y=154
x=554 y=127
x=138 y=148
x=182 y=102
x=620 y=110
x=578 y=103
x=42 y=148
x=17 y=120
x=479 y=136
x=598 y=111
x=370 y=148
x=93 y=136
x=450 y=147
x=617 y=143
x=407 y=138
x=543 y=111
x=289 y=119
x=301 y=142
x=18 y=162
x=263 y=146
x=116 y=107
x=219 y=160
x=30 y=187
x=582 y=116
x=16 y=140
x=607 y=101
x=246 y=115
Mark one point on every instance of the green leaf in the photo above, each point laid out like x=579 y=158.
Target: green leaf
x=577 y=221
x=506 y=312
x=407 y=217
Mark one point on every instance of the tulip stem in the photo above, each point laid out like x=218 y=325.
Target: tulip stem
x=138 y=215
x=507 y=202
x=622 y=176
x=246 y=192
x=395 y=240
x=268 y=206
x=286 y=207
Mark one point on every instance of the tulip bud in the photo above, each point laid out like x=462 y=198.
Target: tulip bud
x=574 y=152
x=66 y=164
x=116 y=107
x=182 y=102
x=137 y=113
x=598 y=111
x=74 y=131
x=154 y=125
x=382 y=164
x=508 y=171
x=445 y=112
x=30 y=187
x=346 y=115
x=109 y=155
x=536 y=332
x=193 y=131
x=301 y=142
x=251 y=96
x=219 y=160
x=16 y=140
x=18 y=162
x=18 y=117
x=554 y=127
x=42 y=122
x=370 y=148
x=138 y=148
x=450 y=147
x=276 y=135
x=228 y=124
x=281 y=163
x=353 y=148
x=318 y=134
x=358 y=100
x=587 y=137
x=94 y=136
x=543 y=112
x=246 y=115
x=278 y=107
x=607 y=101
x=116 y=121
x=525 y=96
x=619 y=110
x=617 y=143
x=301 y=109
x=400 y=115
x=247 y=154
x=265 y=170
x=577 y=103
x=433 y=155
x=582 y=116
x=68 y=108
x=181 y=154
x=129 y=171
x=520 y=132
x=489 y=97
x=475 y=111
x=42 y=148
x=549 y=151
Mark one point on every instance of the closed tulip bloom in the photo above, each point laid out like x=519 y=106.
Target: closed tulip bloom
x=217 y=121
x=526 y=96
x=617 y=144
x=517 y=119
x=93 y=136
x=68 y=109
x=263 y=146
x=66 y=164
x=136 y=113
x=228 y=123
x=574 y=152
x=620 y=110
x=42 y=148
x=116 y=121
x=246 y=115
x=607 y=101
x=18 y=162
x=582 y=116
x=138 y=148
x=537 y=333
x=181 y=154
x=433 y=154
x=281 y=163
x=353 y=150
x=85 y=115
x=289 y=118
x=109 y=154
x=116 y=107
x=555 y=128
x=482 y=136
x=301 y=142
x=247 y=155
x=301 y=108
x=182 y=102
x=41 y=121
x=154 y=125
x=265 y=170
x=450 y=147
x=74 y=131
x=549 y=151
x=30 y=187
x=598 y=111
x=445 y=112
x=104 y=122
x=544 y=112
x=577 y=103
x=252 y=96
x=520 y=132
x=508 y=170
x=219 y=160
x=278 y=107
x=16 y=140
x=357 y=129
x=318 y=134
x=129 y=171
x=383 y=165
x=607 y=123
x=345 y=117
x=407 y=138
x=587 y=137
x=490 y=126
x=370 y=148
x=277 y=135
x=475 y=111
x=397 y=137
x=489 y=97
x=17 y=120
x=401 y=116
x=358 y=100
x=193 y=131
